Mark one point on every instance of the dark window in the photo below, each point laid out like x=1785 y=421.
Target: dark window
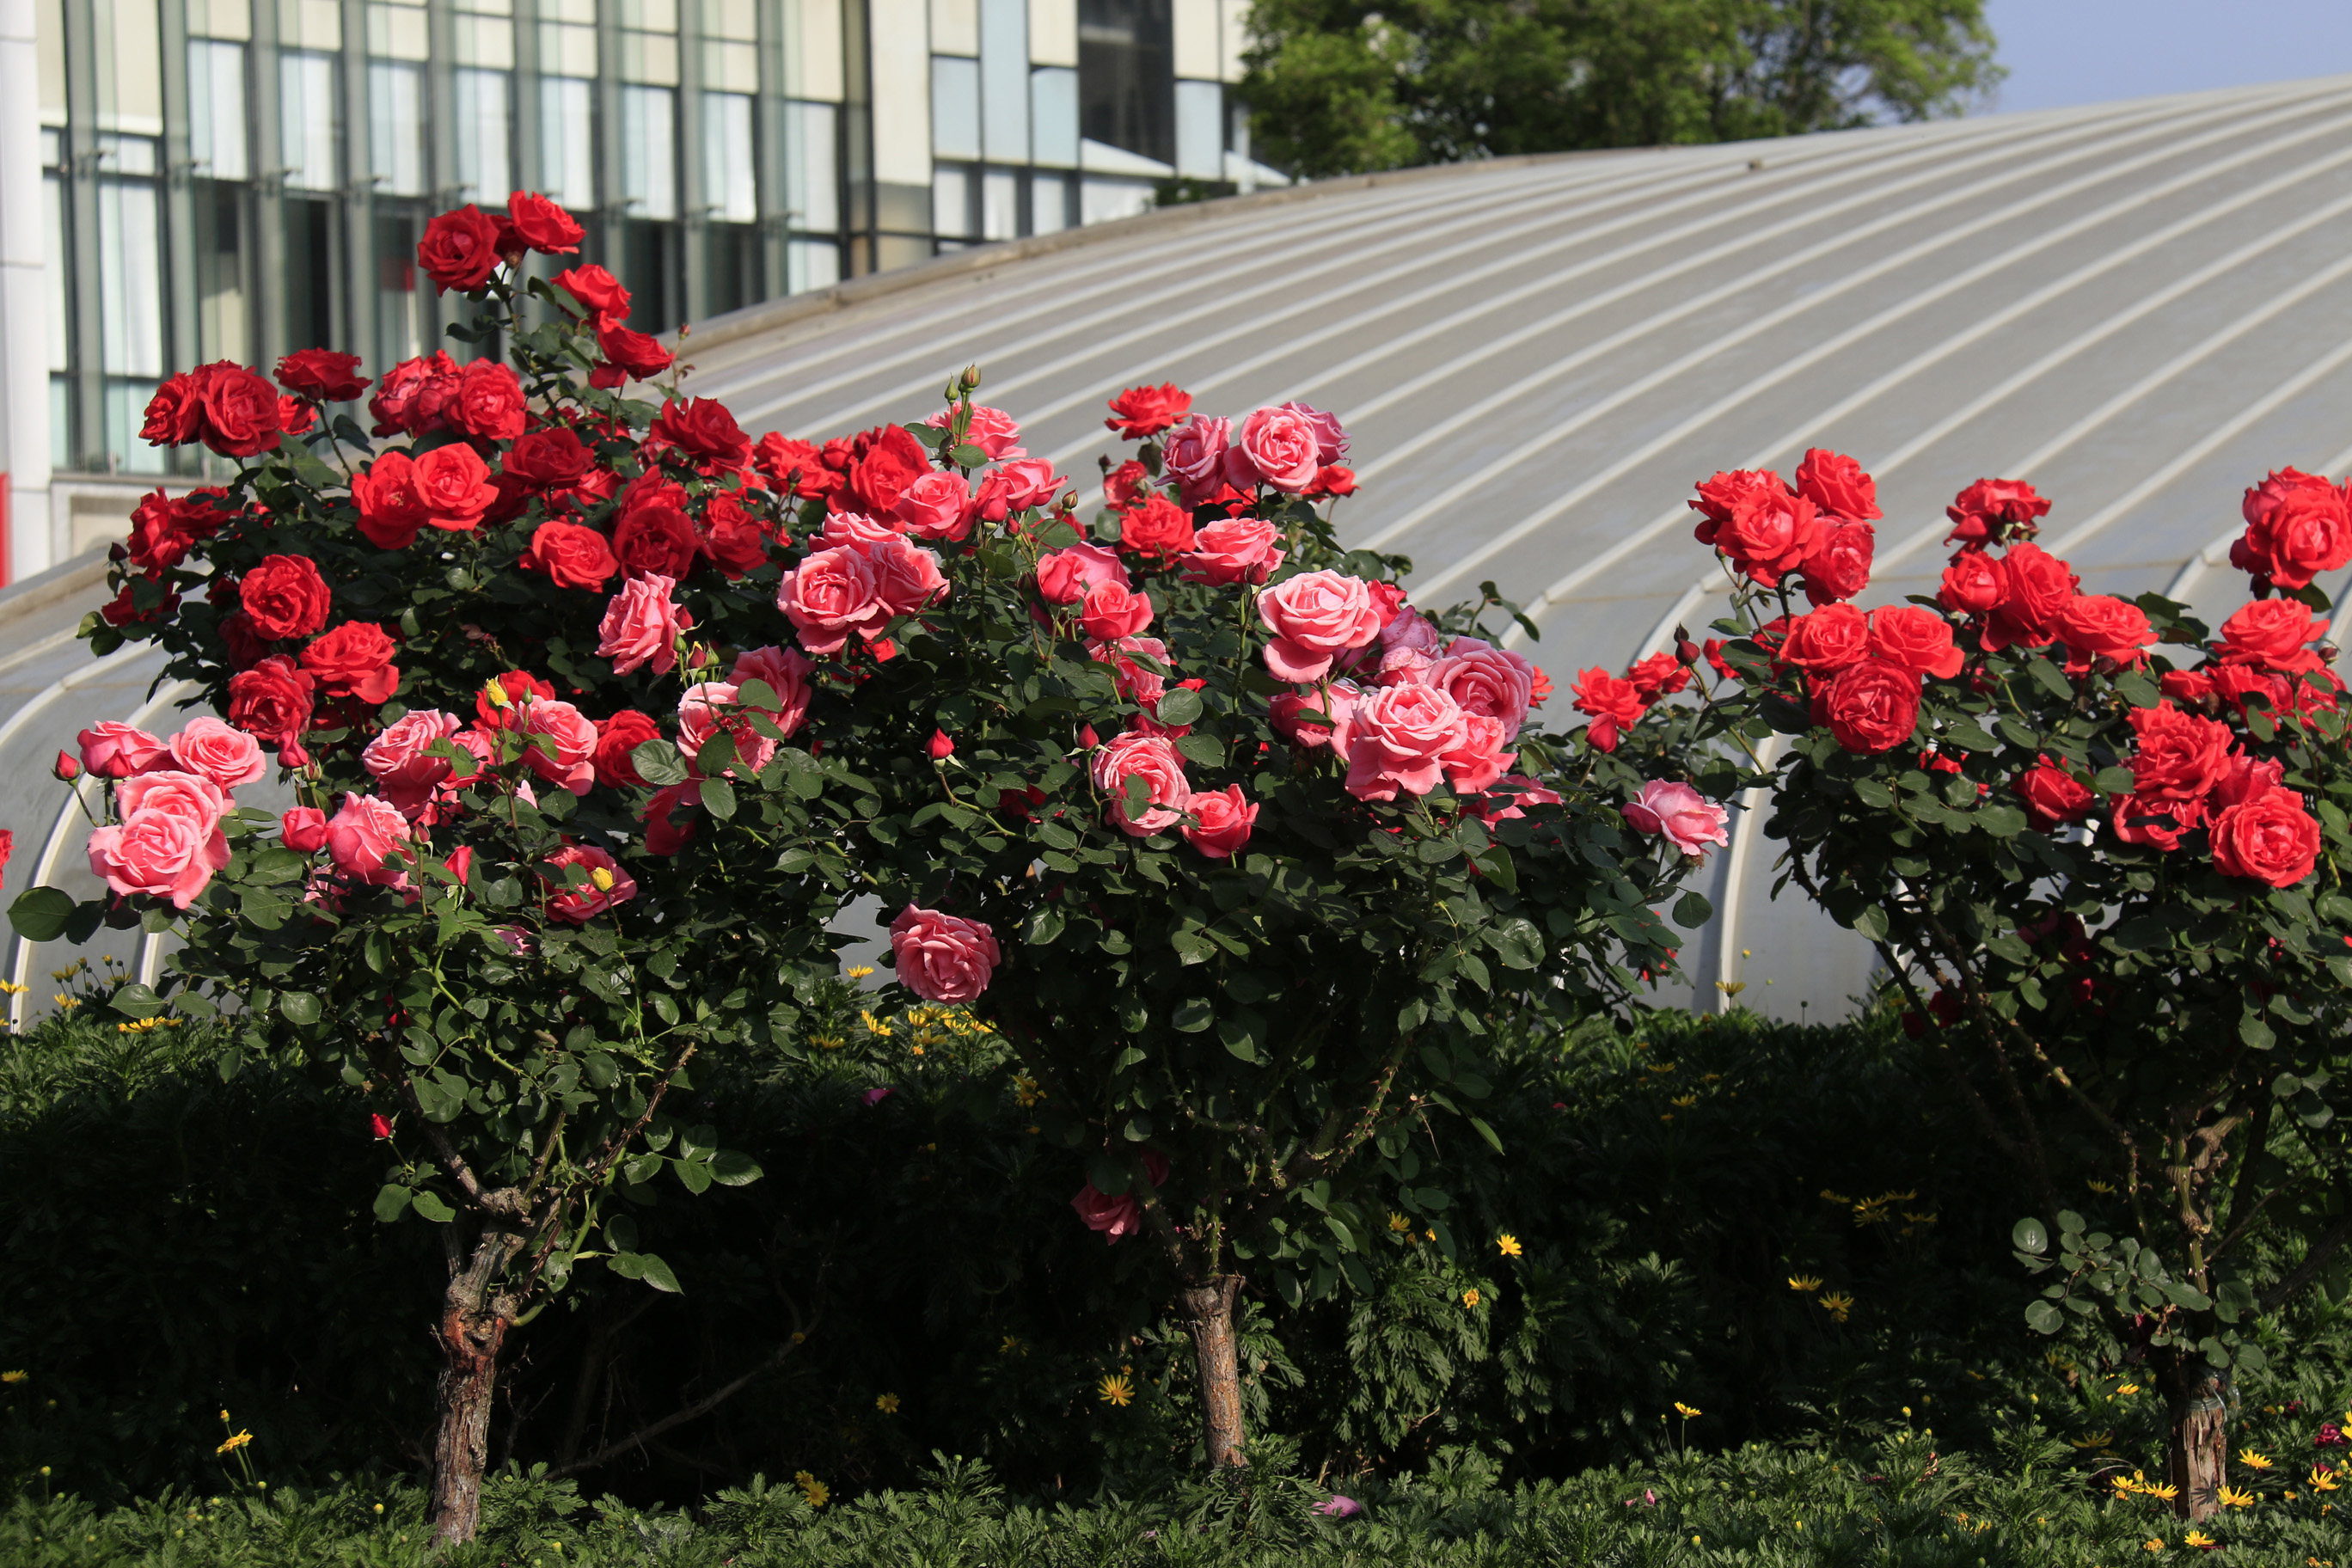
x=1127 y=76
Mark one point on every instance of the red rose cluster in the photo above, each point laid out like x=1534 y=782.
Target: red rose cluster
x=1818 y=527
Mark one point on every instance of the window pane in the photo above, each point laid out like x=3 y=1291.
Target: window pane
x=1049 y=202
x=951 y=196
x=1000 y=205
x=1126 y=70
x=1053 y=117
x=1201 y=129
x=307 y=120
x=955 y=106
x=567 y=143
x=131 y=271
x=1005 y=70
x=217 y=108
x=396 y=127
x=812 y=164
x=810 y=264
x=649 y=152
x=484 y=174
x=729 y=186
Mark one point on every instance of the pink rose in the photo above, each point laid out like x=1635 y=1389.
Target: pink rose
x=606 y=886
x=941 y=957
x=170 y=853
x=1153 y=760
x=363 y=836
x=227 y=756
x=831 y=594
x=303 y=830
x=1414 y=630
x=113 y=751
x=1475 y=764
x=855 y=528
x=1016 y=487
x=1397 y=740
x=1113 y=610
x=1194 y=453
x=641 y=625
x=1307 y=720
x=1330 y=441
x=409 y=774
x=907 y=578
x=1066 y=576
x=1687 y=819
x=192 y=795
x=1485 y=679
x=991 y=430
x=1226 y=819
x=561 y=743
x=936 y=506
x=1233 y=549
x=1313 y=616
x=1138 y=682
x=1121 y=1216
x=709 y=707
x=1277 y=447
x=786 y=671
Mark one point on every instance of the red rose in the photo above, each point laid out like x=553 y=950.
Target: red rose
x=654 y=536
x=414 y=396
x=285 y=597
x=701 y=427
x=2267 y=839
x=1827 y=640
x=599 y=293
x=1914 y=639
x=2036 y=588
x=2270 y=634
x=572 y=556
x=240 y=410
x=354 y=660
x=246 y=649
x=2155 y=819
x=390 y=512
x=322 y=375
x=1992 y=510
x=2299 y=526
x=1769 y=535
x=548 y=459
x=2178 y=756
x=163 y=528
x=489 y=403
x=1333 y=480
x=2051 y=795
x=2100 y=625
x=1613 y=703
x=732 y=540
x=616 y=738
x=1158 y=528
x=1126 y=486
x=1660 y=675
x=1141 y=411
x=271 y=702
x=794 y=466
x=174 y=414
x=888 y=461
x=543 y=225
x=452 y=485
x=296 y=417
x=633 y=354
x=1972 y=584
x=460 y=251
x=1836 y=484
x=1726 y=493
x=1839 y=567
x=1872 y=706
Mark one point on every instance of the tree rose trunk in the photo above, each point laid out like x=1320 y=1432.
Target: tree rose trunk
x=2197 y=1449
x=472 y=1331
x=1208 y=1308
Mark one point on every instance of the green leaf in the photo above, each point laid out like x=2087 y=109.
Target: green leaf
x=718 y=798
x=1241 y=1031
x=694 y=1175
x=1692 y=910
x=2255 y=1032
x=1487 y=1133
x=430 y=1206
x=40 y=914
x=137 y=1001
x=1870 y=920
x=2030 y=1234
x=299 y=1008
x=1515 y=942
x=658 y=764
x=2043 y=1317
x=2050 y=678
x=390 y=1202
x=1192 y=1015
x=1179 y=705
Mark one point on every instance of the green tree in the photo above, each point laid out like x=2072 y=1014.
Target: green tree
x=1337 y=87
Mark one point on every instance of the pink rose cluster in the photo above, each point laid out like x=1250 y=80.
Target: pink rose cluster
x=860 y=575
x=170 y=800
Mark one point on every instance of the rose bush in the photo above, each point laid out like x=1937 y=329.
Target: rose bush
x=597 y=711
x=2097 y=847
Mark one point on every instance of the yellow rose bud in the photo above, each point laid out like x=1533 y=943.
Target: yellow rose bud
x=602 y=878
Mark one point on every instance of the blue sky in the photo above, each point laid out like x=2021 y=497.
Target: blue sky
x=2061 y=52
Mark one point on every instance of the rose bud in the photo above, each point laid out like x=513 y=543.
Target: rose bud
x=67 y=767
x=303 y=830
x=378 y=1125
x=941 y=747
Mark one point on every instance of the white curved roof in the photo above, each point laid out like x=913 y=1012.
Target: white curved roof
x=2139 y=307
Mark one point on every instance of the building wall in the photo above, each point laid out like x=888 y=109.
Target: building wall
x=197 y=180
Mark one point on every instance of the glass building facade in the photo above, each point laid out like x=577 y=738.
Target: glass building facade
x=233 y=179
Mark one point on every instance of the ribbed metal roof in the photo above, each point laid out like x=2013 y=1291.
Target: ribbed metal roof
x=2139 y=307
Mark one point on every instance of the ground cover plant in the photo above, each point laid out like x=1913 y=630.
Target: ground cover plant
x=599 y=715
x=2096 y=846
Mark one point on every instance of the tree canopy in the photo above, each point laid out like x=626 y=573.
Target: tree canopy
x=1341 y=86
